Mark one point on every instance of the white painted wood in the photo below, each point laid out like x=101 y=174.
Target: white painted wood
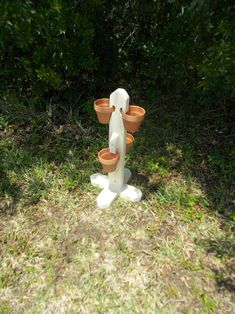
x=113 y=142
x=102 y=181
x=99 y=180
x=105 y=198
x=115 y=183
x=127 y=175
x=120 y=100
x=131 y=193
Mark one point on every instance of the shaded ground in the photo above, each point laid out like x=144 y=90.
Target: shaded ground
x=171 y=253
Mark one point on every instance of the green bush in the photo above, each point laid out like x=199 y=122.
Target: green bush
x=161 y=47
x=47 y=45
x=177 y=46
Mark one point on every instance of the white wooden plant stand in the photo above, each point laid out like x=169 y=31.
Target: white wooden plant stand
x=115 y=183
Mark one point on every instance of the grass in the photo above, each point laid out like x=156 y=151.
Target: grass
x=171 y=253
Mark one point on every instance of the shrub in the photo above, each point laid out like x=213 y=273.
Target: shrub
x=160 y=47
x=177 y=46
x=47 y=45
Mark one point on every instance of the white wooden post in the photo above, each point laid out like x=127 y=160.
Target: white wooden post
x=116 y=182
x=120 y=100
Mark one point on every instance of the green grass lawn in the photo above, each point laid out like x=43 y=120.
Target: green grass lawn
x=174 y=252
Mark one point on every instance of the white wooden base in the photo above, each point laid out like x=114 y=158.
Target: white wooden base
x=106 y=197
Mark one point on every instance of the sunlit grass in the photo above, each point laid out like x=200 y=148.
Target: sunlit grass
x=170 y=253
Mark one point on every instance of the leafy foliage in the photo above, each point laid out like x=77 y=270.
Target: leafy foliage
x=159 y=47
x=173 y=45
x=47 y=45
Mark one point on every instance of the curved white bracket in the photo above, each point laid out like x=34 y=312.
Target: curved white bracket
x=113 y=143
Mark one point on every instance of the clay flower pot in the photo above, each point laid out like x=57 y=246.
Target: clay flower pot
x=129 y=141
x=108 y=160
x=133 y=118
x=103 y=110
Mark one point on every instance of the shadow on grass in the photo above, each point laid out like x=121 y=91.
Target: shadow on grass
x=194 y=142
x=10 y=193
x=38 y=154
x=41 y=154
x=198 y=145
x=224 y=249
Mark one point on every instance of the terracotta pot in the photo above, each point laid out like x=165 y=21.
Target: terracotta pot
x=103 y=110
x=108 y=160
x=133 y=118
x=129 y=141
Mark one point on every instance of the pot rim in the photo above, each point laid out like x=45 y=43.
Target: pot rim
x=131 y=138
x=134 y=118
x=140 y=109
x=103 y=107
x=101 y=100
x=112 y=161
